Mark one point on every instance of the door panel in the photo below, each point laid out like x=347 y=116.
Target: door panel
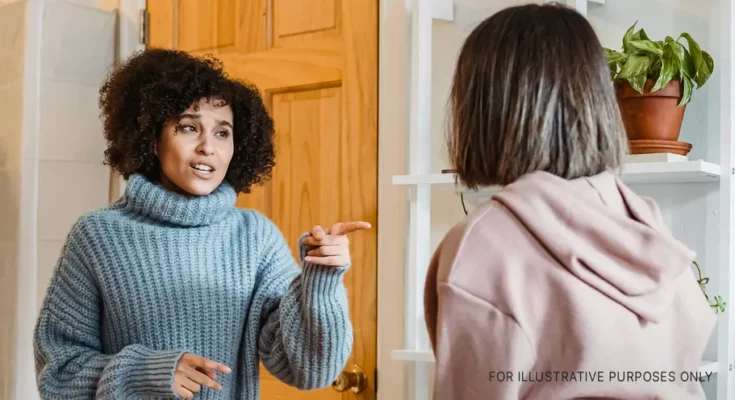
x=214 y=22
x=297 y=22
x=315 y=63
x=307 y=170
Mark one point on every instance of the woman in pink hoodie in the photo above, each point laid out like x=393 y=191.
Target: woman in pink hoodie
x=566 y=285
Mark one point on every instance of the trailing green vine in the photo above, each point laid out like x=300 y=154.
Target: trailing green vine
x=718 y=305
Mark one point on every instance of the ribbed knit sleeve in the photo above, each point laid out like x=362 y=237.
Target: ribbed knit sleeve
x=67 y=344
x=306 y=334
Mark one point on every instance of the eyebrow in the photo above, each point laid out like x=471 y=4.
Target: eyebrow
x=192 y=116
x=198 y=117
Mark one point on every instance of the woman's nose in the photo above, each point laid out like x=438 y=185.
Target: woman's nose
x=205 y=147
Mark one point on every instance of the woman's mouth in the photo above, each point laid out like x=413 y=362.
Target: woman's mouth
x=202 y=170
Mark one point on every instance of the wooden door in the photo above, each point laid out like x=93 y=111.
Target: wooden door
x=315 y=63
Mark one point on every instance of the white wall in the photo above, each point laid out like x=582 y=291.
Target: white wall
x=52 y=63
x=692 y=214
x=78 y=47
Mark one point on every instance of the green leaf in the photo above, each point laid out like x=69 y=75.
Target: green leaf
x=627 y=38
x=669 y=67
x=640 y=35
x=655 y=69
x=614 y=60
x=613 y=56
x=638 y=82
x=687 y=89
x=685 y=59
x=702 y=69
x=635 y=66
x=647 y=46
x=710 y=63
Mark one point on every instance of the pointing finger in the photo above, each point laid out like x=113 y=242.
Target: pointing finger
x=343 y=228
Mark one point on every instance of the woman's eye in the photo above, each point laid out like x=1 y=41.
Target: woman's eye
x=223 y=134
x=186 y=128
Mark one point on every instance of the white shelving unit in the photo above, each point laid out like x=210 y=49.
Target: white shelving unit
x=638 y=170
x=633 y=173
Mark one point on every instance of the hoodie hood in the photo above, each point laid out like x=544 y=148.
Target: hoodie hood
x=605 y=235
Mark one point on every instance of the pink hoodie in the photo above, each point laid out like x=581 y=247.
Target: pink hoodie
x=559 y=290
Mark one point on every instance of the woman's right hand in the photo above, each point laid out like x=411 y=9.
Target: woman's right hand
x=193 y=371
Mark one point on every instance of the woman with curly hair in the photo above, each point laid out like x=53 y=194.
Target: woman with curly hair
x=173 y=292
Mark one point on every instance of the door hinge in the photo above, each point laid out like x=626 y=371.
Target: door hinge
x=144 y=20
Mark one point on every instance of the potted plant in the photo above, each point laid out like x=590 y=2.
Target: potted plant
x=654 y=81
x=718 y=305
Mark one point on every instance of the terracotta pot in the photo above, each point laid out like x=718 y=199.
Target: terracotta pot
x=652 y=117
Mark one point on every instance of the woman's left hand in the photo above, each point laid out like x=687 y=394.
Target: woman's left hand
x=332 y=245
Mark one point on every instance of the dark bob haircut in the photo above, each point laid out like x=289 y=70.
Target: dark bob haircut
x=155 y=86
x=532 y=92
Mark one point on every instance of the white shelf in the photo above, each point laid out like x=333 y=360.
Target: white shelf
x=431 y=179
x=444 y=9
x=632 y=173
x=671 y=172
x=428 y=357
x=709 y=366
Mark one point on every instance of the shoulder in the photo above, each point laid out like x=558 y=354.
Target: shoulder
x=93 y=223
x=486 y=234
x=485 y=256
x=266 y=240
x=87 y=235
x=255 y=221
x=259 y=227
x=251 y=216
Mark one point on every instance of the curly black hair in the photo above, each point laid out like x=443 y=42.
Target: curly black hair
x=157 y=85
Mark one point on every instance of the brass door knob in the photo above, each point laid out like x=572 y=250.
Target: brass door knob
x=352 y=378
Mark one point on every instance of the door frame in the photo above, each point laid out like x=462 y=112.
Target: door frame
x=394 y=55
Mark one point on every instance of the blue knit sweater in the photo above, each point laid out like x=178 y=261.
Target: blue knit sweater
x=158 y=274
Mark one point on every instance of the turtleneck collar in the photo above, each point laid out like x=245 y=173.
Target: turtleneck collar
x=153 y=201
